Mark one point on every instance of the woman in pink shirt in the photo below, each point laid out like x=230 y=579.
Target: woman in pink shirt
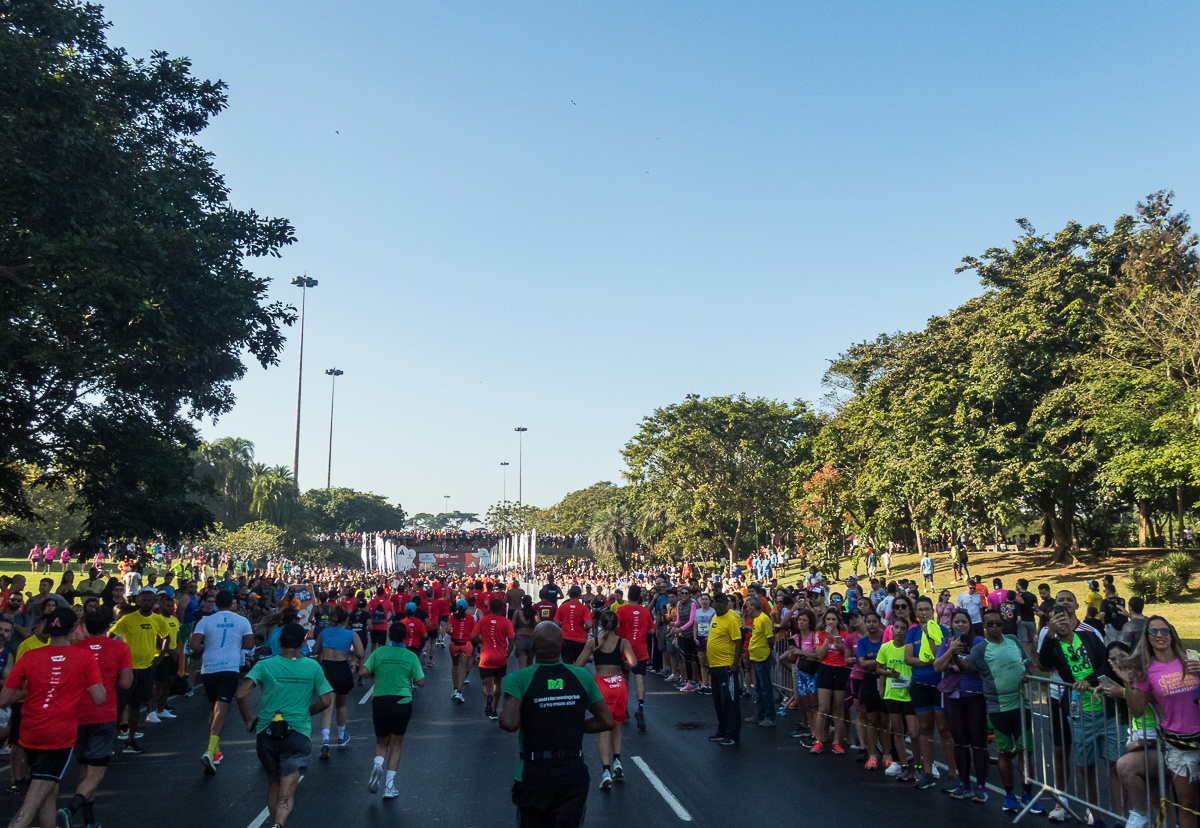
x=1162 y=673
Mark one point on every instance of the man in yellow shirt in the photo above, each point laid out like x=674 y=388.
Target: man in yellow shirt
x=168 y=665
x=140 y=630
x=762 y=633
x=724 y=651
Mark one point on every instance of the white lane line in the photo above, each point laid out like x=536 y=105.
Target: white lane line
x=679 y=810
x=266 y=812
x=367 y=695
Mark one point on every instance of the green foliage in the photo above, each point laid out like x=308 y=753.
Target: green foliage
x=345 y=510
x=612 y=537
x=573 y=515
x=125 y=306
x=507 y=516
x=256 y=540
x=1181 y=564
x=60 y=515
x=1154 y=582
x=441 y=521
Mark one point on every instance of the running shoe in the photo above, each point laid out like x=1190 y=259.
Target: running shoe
x=767 y=723
x=1038 y=808
x=717 y=737
x=618 y=772
x=706 y=691
x=909 y=775
x=152 y=718
x=727 y=741
x=1010 y=804
x=1058 y=813
x=166 y=714
x=961 y=792
x=888 y=762
x=63 y=818
x=923 y=781
x=979 y=795
x=487 y=710
x=390 y=792
x=753 y=720
x=324 y=757
x=605 y=780
x=640 y=718
x=133 y=747
x=837 y=748
x=690 y=687
x=210 y=767
x=817 y=747
x=1136 y=820
x=217 y=757
x=871 y=764
x=376 y=778
x=672 y=677
x=344 y=740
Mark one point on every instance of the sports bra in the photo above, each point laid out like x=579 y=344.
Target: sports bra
x=613 y=659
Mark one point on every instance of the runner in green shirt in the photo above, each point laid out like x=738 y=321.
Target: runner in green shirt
x=396 y=670
x=897 y=676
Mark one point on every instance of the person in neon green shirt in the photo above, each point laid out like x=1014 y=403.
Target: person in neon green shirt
x=762 y=633
x=892 y=669
x=396 y=670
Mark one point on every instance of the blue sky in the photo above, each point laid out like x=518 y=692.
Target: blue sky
x=564 y=215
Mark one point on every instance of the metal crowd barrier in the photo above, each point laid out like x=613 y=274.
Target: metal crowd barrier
x=1079 y=751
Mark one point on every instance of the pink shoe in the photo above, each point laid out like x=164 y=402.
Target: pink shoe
x=688 y=688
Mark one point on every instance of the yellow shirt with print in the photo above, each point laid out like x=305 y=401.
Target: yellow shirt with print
x=723 y=632
x=173 y=626
x=141 y=633
x=762 y=633
x=31 y=643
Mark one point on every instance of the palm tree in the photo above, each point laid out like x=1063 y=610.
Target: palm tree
x=612 y=533
x=276 y=498
x=231 y=459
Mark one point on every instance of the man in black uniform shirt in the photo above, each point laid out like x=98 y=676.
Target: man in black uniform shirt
x=548 y=703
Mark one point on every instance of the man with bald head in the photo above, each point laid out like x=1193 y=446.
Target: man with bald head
x=547 y=703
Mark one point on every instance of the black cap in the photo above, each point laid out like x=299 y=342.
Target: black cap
x=60 y=622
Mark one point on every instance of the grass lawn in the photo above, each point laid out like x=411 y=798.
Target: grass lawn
x=1036 y=566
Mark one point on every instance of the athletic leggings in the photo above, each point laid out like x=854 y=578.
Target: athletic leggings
x=967 y=719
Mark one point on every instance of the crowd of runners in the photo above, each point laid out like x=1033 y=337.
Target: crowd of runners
x=882 y=670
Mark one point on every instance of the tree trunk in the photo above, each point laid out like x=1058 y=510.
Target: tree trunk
x=1143 y=521
x=916 y=529
x=1062 y=522
x=1047 y=506
x=1179 y=506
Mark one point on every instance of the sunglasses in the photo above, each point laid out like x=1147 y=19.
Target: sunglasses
x=993 y=623
x=1157 y=631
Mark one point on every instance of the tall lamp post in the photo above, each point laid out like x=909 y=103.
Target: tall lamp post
x=520 y=469
x=447 y=503
x=334 y=373
x=504 y=465
x=304 y=283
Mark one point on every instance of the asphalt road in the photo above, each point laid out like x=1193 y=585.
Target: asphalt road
x=457 y=771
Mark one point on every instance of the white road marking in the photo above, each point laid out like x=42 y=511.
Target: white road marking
x=367 y=695
x=266 y=812
x=679 y=810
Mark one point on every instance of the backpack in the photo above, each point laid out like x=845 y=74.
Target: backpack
x=379 y=614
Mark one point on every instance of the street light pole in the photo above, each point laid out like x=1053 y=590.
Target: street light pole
x=304 y=283
x=447 y=503
x=505 y=489
x=334 y=373
x=520 y=468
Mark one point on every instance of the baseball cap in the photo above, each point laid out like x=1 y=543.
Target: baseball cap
x=147 y=589
x=61 y=621
x=410 y=606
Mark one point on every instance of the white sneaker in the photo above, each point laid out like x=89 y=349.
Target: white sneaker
x=936 y=775
x=376 y=778
x=390 y=792
x=1058 y=813
x=618 y=772
x=167 y=714
x=153 y=719
x=894 y=770
x=605 y=780
x=1136 y=820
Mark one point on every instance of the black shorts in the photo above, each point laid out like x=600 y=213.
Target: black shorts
x=379 y=638
x=415 y=649
x=869 y=695
x=94 y=743
x=283 y=757
x=1060 y=723
x=339 y=676
x=686 y=645
x=925 y=697
x=166 y=668
x=900 y=708
x=140 y=691
x=49 y=764
x=571 y=651
x=220 y=687
x=390 y=715
x=492 y=672
x=832 y=678
x=14 y=724
x=640 y=668
x=443 y=619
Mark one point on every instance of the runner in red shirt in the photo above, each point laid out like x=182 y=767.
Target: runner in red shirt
x=429 y=604
x=495 y=633
x=380 y=610
x=575 y=620
x=58 y=679
x=544 y=609
x=461 y=650
x=98 y=725
x=634 y=622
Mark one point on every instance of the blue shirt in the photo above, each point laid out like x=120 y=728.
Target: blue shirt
x=924 y=674
x=337 y=638
x=273 y=643
x=867 y=648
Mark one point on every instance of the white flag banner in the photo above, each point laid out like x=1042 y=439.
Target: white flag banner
x=364 y=550
x=532 y=549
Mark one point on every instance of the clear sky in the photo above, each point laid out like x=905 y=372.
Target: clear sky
x=564 y=215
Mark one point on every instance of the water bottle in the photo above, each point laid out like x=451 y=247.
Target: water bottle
x=1076 y=708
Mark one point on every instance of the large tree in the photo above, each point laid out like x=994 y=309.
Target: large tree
x=344 y=510
x=125 y=306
